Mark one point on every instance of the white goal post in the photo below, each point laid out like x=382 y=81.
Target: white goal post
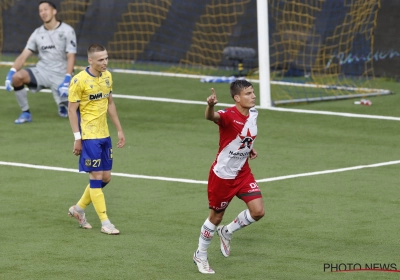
x=263 y=53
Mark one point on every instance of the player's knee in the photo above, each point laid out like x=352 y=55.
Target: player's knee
x=106 y=178
x=216 y=220
x=216 y=217
x=19 y=79
x=105 y=183
x=257 y=214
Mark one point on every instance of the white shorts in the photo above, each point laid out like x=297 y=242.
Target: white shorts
x=48 y=79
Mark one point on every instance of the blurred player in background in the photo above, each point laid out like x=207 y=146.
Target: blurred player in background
x=90 y=99
x=55 y=43
x=230 y=174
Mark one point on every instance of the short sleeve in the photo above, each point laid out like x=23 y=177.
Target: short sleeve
x=223 y=116
x=75 y=90
x=31 y=44
x=71 y=45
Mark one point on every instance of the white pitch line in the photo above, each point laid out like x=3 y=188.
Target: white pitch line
x=180 y=180
x=161 y=99
x=349 y=115
x=182 y=101
x=328 y=171
x=43 y=167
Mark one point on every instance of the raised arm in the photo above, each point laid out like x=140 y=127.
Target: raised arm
x=210 y=114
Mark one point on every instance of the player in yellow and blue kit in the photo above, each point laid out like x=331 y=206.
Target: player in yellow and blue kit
x=90 y=99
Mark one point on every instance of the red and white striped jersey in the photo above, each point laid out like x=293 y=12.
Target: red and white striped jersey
x=237 y=134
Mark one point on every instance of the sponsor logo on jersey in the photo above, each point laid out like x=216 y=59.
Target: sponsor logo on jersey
x=247 y=140
x=99 y=95
x=238 y=122
x=239 y=154
x=48 y=47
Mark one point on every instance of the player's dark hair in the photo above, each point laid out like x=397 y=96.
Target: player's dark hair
x=50 y=3
x=95 y=48
x=239 y=85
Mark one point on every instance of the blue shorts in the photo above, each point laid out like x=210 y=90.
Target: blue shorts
x=96 y=155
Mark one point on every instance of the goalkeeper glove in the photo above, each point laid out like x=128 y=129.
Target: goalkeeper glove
x=10 y=74
x=63 y=88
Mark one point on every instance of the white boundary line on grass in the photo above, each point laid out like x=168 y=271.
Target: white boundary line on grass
x=350 y=115
x=180 y=180
x=54 y=168
x=171 y=100
x=328 y=171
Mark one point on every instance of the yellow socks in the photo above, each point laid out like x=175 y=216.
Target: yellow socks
x=97 y=196
x=85 y=199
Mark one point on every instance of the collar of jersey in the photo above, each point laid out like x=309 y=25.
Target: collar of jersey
x=60 y=22
x=87 y=71
x=240 y=114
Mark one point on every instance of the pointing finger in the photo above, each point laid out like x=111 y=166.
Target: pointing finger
x=212 y=91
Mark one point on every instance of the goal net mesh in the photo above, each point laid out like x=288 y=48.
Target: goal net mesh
x=318 y=49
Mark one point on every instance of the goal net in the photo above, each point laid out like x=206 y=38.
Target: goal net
x=318 y=49
x=322 y=48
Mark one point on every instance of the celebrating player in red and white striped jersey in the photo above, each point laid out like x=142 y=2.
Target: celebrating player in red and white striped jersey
x=230 y=174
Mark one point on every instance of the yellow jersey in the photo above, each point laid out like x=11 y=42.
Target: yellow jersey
x=92 y=94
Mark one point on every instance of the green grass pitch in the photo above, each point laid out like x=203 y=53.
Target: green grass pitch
x=344 y=217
